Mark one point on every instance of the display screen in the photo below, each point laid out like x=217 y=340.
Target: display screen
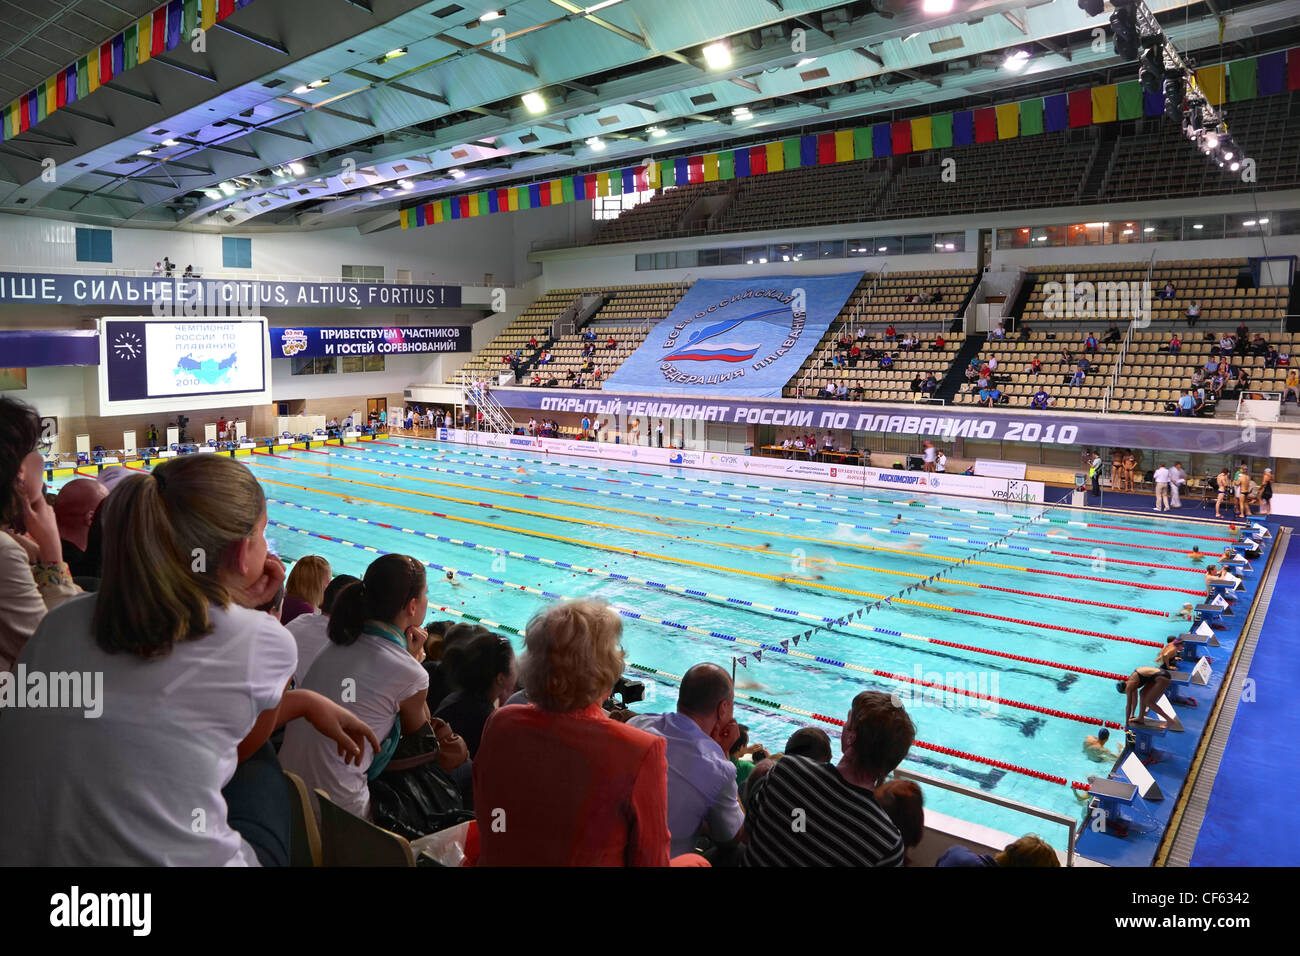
x=166 y=359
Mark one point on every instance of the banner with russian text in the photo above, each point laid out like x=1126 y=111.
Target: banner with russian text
x=736 y=337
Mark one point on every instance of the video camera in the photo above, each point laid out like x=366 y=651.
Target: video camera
x=627 y=691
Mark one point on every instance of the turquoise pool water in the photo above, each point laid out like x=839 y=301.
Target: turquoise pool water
x=1070 y=598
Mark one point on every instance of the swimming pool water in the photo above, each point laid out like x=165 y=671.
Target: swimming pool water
x=502 y=519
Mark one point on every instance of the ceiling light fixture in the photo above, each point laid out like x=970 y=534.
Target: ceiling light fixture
x=456 y=173
x=1016 y=60
x=492 y=15
x=717 y=55
x=936 y=6
x=297 y=168
x=534 y=103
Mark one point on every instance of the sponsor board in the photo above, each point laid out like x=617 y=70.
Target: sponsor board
x=1002 y=489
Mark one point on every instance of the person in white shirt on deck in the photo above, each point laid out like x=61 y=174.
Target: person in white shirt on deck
x=193 y=684
x=941 y=464
x=1176 y=478
x=1161 y=479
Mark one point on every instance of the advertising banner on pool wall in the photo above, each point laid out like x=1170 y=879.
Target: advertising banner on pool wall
x=1002 y=489
x=929 y=421
x=736 y=337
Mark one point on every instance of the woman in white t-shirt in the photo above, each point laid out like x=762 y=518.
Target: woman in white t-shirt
x=372 y=666
x=181 y=681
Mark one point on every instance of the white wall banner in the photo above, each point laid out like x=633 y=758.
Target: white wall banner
x=1002 y=489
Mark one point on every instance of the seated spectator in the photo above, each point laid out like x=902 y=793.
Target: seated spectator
x=1084 y=365
x=909 y=342
x=886 y=361
x=532 y=342
x=305 y=589
x=544 y=357
x=1066 y=357
x=373 y=663
x=1211 y=365
x=1025 y=332
x=890 y=334
x=1090 y=343
x=1168 y=292
x=917 y=382
x=1112 y=334
x=1027 y=851
x=1185 y=404
x=1193 y=313
x=1271 y=358
x=862 y=333
x=998 y=334
x=810 y=742
x=483 y=674
x=994 y=396
x=983 y=381
x=1242 y=335
x=855 y=353
x=903 y=802
x=1035 y=366
x=189 y=273
x=311 y=631
x=1258 y=345
x=33 y=575
x=1227 y=344
x=74 y=511
x=844 y=341
x=939 y=344
x=1243 y=380
x=596 y=790
x=611 y=344
x=843 y=825
x=1175 y=343
x=930 y=384
x=1040 y=400
x=702 y=788
x=537 y=379
x=1078 y=377
x=971 y=373
x=159 y=627
x=984 y=393
x=842 y=391
x=992 y=363
x=590 y=335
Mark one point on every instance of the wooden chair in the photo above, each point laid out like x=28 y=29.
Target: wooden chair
x=348 y=840
x=304 y=836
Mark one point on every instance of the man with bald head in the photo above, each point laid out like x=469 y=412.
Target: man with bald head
x=74 y=510
x=702 y=789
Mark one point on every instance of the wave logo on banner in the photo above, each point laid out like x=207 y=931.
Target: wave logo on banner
x=737 y=337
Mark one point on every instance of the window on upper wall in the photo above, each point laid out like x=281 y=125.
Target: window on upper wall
x=94 y=245
x=236 y=253
x=363 y=273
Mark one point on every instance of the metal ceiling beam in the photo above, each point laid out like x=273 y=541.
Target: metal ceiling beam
x=198 y=71
x=252 y=37
x=147 y=97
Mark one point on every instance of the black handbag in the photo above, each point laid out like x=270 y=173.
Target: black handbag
x=414 y=796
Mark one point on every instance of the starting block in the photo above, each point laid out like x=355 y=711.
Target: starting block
x=1144 y=734
x=1195 y=643
x=1110 y=797
x=1209 y=614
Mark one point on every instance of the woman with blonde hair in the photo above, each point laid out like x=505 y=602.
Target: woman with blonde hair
x=577 y=788
x=304 y=592
x=190 y=681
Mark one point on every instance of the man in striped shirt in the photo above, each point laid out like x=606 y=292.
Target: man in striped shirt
x=805 y=813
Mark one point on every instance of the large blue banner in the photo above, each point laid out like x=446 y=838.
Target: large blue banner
x=736 y=336
x=309 y=341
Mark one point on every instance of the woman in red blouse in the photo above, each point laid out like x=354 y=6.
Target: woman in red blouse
x=557 y=782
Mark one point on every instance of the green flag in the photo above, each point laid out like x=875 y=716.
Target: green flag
x=941 y=131
x=1031 y=116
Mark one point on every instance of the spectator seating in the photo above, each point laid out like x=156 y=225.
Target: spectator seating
x=657 y=218
x=1213 y=283
x=1153 y=157
x=566 y=355
x=888 y=303
x=534 y=322
x=812 y=196
x=1151 y=376
x=1019 y=384
x=866 y=380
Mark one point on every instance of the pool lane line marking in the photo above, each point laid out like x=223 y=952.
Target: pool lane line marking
x=683 y=591
x=833 y=542
x=739 y=601
x=731 y=638
x=457 y=449
x=788 y=708
x=800 y=582
x=693 y=504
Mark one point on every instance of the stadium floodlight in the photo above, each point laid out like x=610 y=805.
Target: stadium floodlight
x=717 y=55
x=1234 y=166
x=456 y=173
x=406 y=184
x=1173 y=90
x=937 y=6
x=1092 y=7
x=534 y=103
x=297 y=168
x=596 y=143
x=1016 y=60
x=1123 y=25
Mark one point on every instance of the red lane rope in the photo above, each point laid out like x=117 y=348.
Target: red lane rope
x=1143 y=564
x=1055 y=627
x=1028 y=660
x=1149 y=547
x=1120 y=527
x=1057 y=597
x=1065 y=715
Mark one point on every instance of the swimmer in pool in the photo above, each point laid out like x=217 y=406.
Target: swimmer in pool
x=936 y=589
x=521 y=470
x=749 y=685
x=1186 y=612
x=451 y=579
x=1095 y=747
x=1057 y=533
x=1196 y=555
x=897 y=519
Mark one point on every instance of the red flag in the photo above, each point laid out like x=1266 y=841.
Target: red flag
x=105 y=63
x=900 y=135
x=757 y=160
x=1080 y=107
x=225 y=8
x=986 y=124
x=695 y=169
x=158 y=41
x=463 y=203
x=1293 y=69
x=642 y=179
x=545 y=194
x=826 y=148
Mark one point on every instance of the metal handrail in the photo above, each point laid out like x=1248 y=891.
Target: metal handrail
x=855 y=307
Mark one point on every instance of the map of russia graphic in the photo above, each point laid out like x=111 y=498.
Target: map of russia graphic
x=209 y=371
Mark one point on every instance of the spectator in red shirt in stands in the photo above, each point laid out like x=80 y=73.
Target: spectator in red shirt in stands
x=889 y=333
x=532 y=343
x=854 y=354
x=939 y=343
x=574 y=786
x=611 y=343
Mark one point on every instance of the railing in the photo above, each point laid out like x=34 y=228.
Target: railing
x=849 y=325
x=495 y=417
x=1116 y=370
x=1069 y=823
x=240 y=275
x=1255 y=396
